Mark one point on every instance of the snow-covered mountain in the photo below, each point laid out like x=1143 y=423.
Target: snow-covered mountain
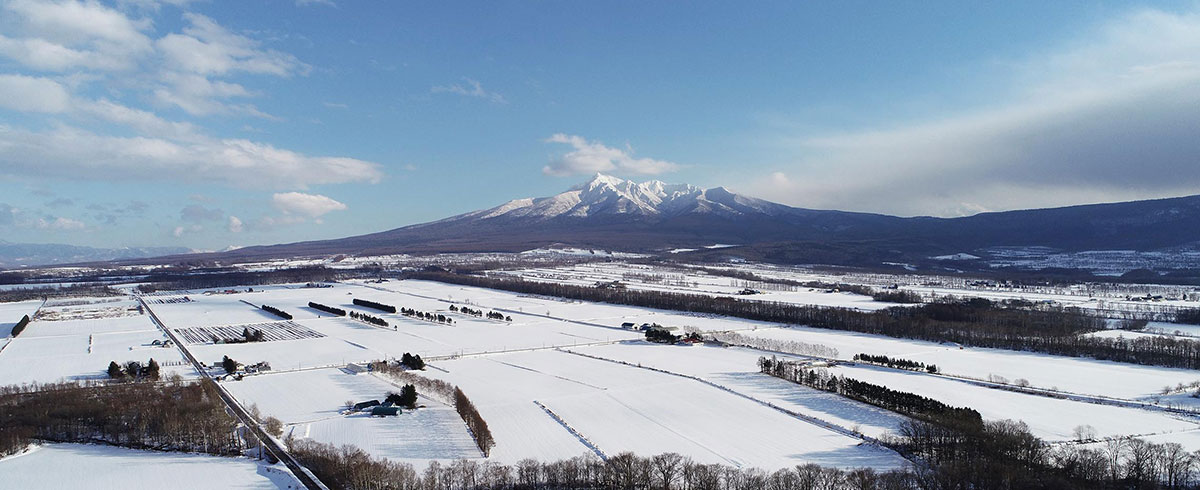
x=616 y=214
x=608 y=195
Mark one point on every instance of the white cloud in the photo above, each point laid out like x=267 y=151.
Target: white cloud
x=305 y=205
x=471 y=88
x=32 y=94
x=307 y=3
x=589 y=157
x=70 y=34
x=235 y=224
x=72 y=153
x=59 y=224
x=207 y=48
x=1109 y=117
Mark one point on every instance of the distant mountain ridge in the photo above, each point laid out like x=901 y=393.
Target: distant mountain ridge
x=616 y=214
x=36 y=254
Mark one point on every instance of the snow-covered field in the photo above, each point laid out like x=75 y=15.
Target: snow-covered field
x=655 y=278
x=57 y=466
x=70 y=350
x=11 y=313
x=308 y=402
x=620 y=408
x=1049 y=418
x=1076 y=375
x=546 y=403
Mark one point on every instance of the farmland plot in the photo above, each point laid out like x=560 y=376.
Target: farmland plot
x=11 y=313
x=272 y=331
x=651 y=278
x=737 y=369
x=83 y=356
x=309 y=402
x=56 y=466
x=1048 y=418
x=1077 y=375
x=621 y=408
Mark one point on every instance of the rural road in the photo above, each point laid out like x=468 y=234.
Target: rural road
x=273 y=447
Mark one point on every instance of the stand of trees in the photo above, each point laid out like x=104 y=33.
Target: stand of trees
x=134 y=370
x=661 y=336
x=427 y=316
x=407 y=397
x=896 y=362
x=368 y=318
x=76 y=290
x=374 y=305
x=253 y=335
x=492 y=315
x=20 y=326
x=196 y=276
x=974 y=322
x=229 y=365
x=777 y=345
x=897 y=296
x=327 y=309
x=171 y=416
x=412 y=361
x=1189 y=316
x=277 y=312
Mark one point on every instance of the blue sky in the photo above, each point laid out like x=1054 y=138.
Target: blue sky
x=211 y=124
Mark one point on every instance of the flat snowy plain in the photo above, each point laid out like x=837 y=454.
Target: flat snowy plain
x=57 y=466
x=563 y=379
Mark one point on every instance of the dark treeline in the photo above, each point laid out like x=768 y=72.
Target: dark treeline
x=475 y=424
x=171 y=416
x=447 y=393
x=350 y=468
x=975 y=322
x=368 y=318
x=223 y=278
x=905 y=403
x=896 y=362
x=20 y=326
x=327 y=309
x=277 y=312
x=26 y=294
x=374 y=305
x=412 y=361
x=1190 y=316
x=896 y=296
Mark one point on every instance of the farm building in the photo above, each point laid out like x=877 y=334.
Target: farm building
x=385 y=410
x=364 y=405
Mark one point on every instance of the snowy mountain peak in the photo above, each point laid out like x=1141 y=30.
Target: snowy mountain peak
x=608 y=195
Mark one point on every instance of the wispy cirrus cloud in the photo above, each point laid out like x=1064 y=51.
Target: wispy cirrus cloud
x=469 y=88
x=1110 y=116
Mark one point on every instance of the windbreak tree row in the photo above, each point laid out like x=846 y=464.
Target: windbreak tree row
x=20 y=326
x=327 y=309
x=277 y=312
x=374 y=305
